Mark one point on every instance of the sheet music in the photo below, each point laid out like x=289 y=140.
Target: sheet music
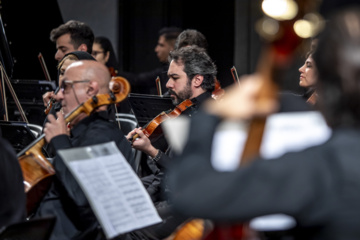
x=115 y=193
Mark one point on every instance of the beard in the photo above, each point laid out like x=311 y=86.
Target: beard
x=186 y=93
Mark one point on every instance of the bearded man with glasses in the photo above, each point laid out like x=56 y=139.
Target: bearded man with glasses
x=65 y=199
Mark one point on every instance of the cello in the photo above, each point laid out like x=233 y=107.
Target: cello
x=275 y=58
x=37 y=170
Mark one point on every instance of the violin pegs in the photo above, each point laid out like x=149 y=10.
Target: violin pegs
x=95 y=100
x=112 y=96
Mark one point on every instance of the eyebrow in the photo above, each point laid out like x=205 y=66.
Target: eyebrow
x=173 y=74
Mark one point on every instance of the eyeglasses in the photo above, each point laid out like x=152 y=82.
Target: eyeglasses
x=67 y=84
x=94 y=53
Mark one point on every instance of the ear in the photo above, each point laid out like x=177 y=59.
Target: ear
x=107 y=56
x=82 y=47
x=197 y=80
x=92 y=88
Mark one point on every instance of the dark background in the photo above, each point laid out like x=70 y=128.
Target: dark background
x=133 y=25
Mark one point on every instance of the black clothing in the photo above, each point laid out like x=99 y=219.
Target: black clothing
x=12 y=194
x=154 y=184
x=290 y=102
x=145 y=83
x=65 y=199
x=317 y=186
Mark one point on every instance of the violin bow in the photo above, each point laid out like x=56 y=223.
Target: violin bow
x=43 y=66
x=235 y=75
x=158 y=85
x=12 y=91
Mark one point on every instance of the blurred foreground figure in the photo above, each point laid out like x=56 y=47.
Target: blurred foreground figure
x=319 y=186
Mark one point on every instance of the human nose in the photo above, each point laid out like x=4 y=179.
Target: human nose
x=58 y=55
x=301 y=69
x=59 y=95
x=169 y=84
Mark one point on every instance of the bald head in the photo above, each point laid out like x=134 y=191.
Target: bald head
x=93 y=71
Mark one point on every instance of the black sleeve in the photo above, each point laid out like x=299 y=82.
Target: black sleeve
x=264 y=187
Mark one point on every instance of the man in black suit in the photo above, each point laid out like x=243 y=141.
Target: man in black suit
x=317 y=186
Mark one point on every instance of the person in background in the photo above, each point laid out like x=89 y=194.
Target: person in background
x=104 y=53
x=145 y=82
x=72 y=36
x=69 y=37
x=308 y=74
x=191 y=37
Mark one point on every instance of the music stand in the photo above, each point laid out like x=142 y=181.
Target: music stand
x=146 y=107
x=17 y=133
x=35 y=229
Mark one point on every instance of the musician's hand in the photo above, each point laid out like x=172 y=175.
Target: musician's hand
x=131 y=134
x=55 y=127
x=47 y=96
x=142 y=142
x=242 y=101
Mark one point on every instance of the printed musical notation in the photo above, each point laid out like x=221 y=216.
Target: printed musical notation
x=115 y=193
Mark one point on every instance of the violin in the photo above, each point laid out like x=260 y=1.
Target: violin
x=37 y=170
x=218 y=91
x=112 y=71
x=152 y=129
x=51 y=103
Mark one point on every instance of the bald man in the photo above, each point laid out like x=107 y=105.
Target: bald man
x=65 y=199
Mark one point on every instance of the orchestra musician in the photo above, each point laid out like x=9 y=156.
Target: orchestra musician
x=69 y=37
x=65 y=199
x=317 y=186
x=104 y=53
x=308 y=76
x=192 y=76
x=63 y=64
x=53 y=105
x=72 y=36
x=190 y=37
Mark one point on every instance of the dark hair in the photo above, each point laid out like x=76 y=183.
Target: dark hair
x=107 y=46
x=80 y=33
x=170 y=33
x=190 y=37
x=196 y=61
x=338 y=63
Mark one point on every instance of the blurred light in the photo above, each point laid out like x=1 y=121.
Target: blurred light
x=280 y=9
x=310 y=26
x=268 y=28
x=303 y=28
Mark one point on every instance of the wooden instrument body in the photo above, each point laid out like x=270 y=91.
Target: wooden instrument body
x=153 y=129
